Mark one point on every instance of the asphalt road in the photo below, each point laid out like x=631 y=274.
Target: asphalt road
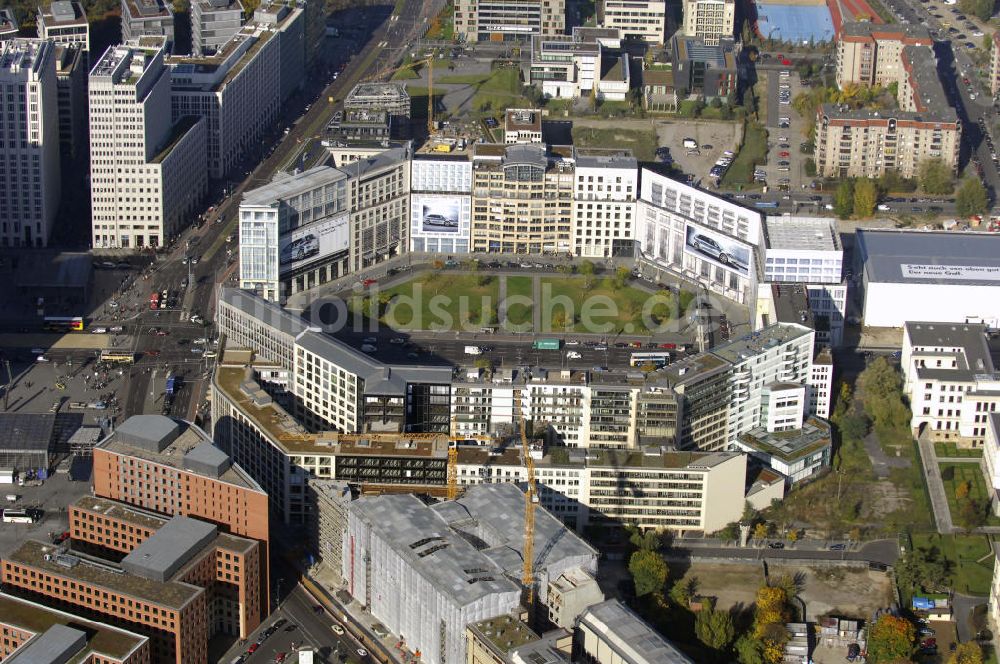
x=304 y=627
x=880 y=551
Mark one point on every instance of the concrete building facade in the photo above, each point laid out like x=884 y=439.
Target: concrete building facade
x=213 y=24
x=146 y=171
x=509 y=20
x=147 y=18
x=870 y=53
x=71 y=87
x=712 y=20
x=30 y=178
x=64 y=22
x=606 y=185
x=637 y=19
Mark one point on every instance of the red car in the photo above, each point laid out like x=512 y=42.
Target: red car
x=668 y=346
x=253 y=648
x=784 y=154
x=151 y=353
x=369 y=282
x=280 y=657
x=929 y=643
x=787 y=63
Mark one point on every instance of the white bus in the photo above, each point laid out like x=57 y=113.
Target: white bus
x=658 y=360
x=16 y=516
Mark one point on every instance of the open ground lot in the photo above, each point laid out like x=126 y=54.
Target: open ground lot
x=721 y=136
x=843 y=591
x=53 y=496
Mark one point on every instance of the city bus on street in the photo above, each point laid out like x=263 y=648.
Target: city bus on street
x=117 y=356
x=63 y=323
x=658 y=360
x=16 y=516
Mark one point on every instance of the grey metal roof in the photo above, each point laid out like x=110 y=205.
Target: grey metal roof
x=437 y=553
x=264 y=311
x=207 y=459
x=285 y=185
x=629 y=636
x=56 y=645
x=599 y=158
x=525 y=153
x=924 y=80
x=753 y=343
x=494 y=514
x=801 y=233
x=149 y=432
x=974 y=357
x=884 y=253
x=170 y=547
x=26 y=431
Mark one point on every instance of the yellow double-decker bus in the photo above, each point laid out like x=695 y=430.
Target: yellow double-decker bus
x=117 y=356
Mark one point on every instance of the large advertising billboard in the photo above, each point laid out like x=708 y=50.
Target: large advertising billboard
x=440 y=214
x=717 y=248
x=313 y=242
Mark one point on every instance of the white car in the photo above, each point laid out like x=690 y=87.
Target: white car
x=883 y=207
x=337 y=629
x=573 y=355
x=362 y=652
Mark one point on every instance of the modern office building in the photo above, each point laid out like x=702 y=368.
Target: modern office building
x=637 y=19
x=522 y=125
x=900 y=271
x=703 y=237
x=866 y=143
x=611 y=633
x=713 y=20
x=704 y=68
x=213 y=24
x=797 y=452
x=148 y=18
x=658 y=90
x=71 y=87
x=380 y=207
x=441 y=199
x=522 y=198
x=36 y=634
x=8 y=24
x=606 y=185
x=420 y=551
x=64 y=22
x=808 y=251
x=29 y=160
x=389 y=97
x=871 y=53
x=578 y=65
x=509 y=20
x=239 y=89
x=294 y=232
x=171 y=468
x=181 y=585
x=147 y=172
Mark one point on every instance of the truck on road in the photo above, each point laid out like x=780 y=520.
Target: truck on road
x=547 y=344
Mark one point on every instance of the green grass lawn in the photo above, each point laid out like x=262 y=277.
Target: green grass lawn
x=465 y=79
x=519 y=314
x=752 y=152
x=501 y=90
x=642 y=142
x=963 y=551
x=954 y=451
x=953 y=474
x=443 y=301
x=567 y=304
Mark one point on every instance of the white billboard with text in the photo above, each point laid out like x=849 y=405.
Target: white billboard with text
x=314 y=242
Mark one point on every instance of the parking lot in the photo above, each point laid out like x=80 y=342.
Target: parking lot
x=712 y=138
x=785 y=162
x=52 y=496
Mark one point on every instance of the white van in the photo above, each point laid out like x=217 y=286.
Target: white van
x=690 y=143
x=473 y=350
x=12 y=497
x=99 y=330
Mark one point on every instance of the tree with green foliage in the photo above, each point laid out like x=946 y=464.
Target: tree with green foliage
x=587 y=269
x=935 y=176
x=981 y=9
x=971 y=198
x=971 y=513
x=865 y=198
x=924 y=568
x=621 y=277
x=714 y=628
x=748 y=650
x=684 y=590
x=853 y=427
x=890 y=640
x=843 y=199
x=648 y=540
x=967 y=653
x=810 y=167
x=648 y=570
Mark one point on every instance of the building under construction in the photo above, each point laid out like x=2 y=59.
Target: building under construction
x=428 y=571
x=389 y=97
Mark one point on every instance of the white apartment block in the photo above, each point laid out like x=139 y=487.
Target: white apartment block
x=606 y=185
x=29 y=146
x=710 y=19
x=670 y=216
x=213 y=23
x=807 y=250
x=147 y=173
x=64 y=22
x=379 y=198
x=950 y=380
x=637 y=19
x=569 y=66
x=238 y=90
x=509 y=20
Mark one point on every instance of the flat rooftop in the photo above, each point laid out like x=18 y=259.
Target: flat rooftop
x=375 y=92
x=172 y=454
x=757 y=342
x=523 y=119
x=285 y=185
x=605 y=158
x=796 y=233
x=102 y=639
x=505 y=633
x=630 y=637
x=789 y=446
x=177 y=133
x=26 y=432
x=943 y=115
x=62 y=13
x=965 y=342
x=171 y=594
x=116 y=510
x=883 y=31
x=920 y=257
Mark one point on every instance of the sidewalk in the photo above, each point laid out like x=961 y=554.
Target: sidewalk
x=935 y=486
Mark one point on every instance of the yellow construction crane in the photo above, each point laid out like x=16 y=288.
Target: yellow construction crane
x=453 y=462
x=430 y=84
x=530 y=498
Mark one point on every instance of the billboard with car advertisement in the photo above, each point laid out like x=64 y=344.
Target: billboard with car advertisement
x=439 y=214
x=313 y=242
x=717 y=248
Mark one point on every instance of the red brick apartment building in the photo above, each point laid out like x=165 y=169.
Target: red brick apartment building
x=29 y=628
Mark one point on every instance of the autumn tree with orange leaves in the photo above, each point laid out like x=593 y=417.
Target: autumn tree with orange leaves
x=890 y=640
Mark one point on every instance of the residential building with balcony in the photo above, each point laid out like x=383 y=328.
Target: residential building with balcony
x=871 y=53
